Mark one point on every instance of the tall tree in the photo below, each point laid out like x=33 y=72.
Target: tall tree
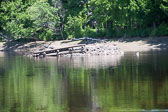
x=30 y=20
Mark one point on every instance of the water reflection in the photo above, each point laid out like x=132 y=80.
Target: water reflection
x=94 y=62
x=2 y=54
x=84 y=84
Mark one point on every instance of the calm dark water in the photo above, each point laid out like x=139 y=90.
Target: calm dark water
x=84 y=84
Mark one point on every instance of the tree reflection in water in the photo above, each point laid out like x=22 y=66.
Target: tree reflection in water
x=84 y=84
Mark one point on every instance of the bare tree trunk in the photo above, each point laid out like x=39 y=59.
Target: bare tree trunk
x=154 y=25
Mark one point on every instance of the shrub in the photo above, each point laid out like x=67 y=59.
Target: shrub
x=162 y=30
x=89 y=32
x=73 y=28
x=144 y=32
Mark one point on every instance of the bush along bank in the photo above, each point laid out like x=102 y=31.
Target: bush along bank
x=62 y=19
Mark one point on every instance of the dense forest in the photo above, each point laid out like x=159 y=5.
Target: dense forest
x=62 y=19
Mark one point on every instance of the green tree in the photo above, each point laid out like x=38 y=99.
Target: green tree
x=38 y=20
x=46 y=20
x=164 y=6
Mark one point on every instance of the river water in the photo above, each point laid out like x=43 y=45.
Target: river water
x=84 y=84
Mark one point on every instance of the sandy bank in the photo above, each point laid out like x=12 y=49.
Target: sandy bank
x=125 y=44
x=141 y=44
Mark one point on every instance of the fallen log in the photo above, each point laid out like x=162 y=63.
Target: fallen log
x=59 y=51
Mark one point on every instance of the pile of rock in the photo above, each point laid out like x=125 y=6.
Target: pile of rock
x=103 y=49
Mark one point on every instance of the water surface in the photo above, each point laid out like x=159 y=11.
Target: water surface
x=84 y=84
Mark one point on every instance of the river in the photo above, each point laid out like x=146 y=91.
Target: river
x=84 y=84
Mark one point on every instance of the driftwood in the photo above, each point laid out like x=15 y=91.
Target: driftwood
x=60 y=51
x=87 y=38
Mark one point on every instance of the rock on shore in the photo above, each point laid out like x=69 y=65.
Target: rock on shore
x=103 y=49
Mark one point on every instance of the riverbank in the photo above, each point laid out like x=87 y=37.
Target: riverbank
x=125 y=44
x=141 y=44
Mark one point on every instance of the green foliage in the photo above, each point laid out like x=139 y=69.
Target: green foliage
x=120 y=18
x=141 y=32
x=13 y=19
x=162 y=30
x=89 y=32
x=57 y=19
x=73 y=28
x=39 y=20
x=44 y=19
x=164 y=6
x=94 y=33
